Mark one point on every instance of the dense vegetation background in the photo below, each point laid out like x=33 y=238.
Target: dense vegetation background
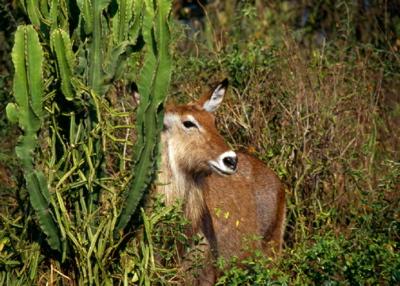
x=314 y=94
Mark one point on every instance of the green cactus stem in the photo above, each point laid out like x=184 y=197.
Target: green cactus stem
x=153 y=87
x=27 y=56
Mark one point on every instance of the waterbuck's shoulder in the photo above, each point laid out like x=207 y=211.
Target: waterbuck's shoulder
x=252 y=175
x=250 y=166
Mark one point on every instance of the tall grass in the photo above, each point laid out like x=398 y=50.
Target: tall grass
x=321 y=114
x=73 y=211
x=316 y=102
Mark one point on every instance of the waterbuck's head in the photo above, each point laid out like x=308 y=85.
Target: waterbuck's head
x=194 y=144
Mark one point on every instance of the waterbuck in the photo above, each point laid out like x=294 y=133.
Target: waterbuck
x=228 y=196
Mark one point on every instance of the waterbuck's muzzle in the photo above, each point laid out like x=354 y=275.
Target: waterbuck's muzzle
x=226 y=164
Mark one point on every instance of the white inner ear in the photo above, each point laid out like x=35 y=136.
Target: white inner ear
x=215 y=99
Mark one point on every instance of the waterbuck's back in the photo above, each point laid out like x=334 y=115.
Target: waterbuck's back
x=246 y=209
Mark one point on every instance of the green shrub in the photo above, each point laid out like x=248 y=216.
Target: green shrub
x=321 y=109
x=68 y=64
x=323 y=117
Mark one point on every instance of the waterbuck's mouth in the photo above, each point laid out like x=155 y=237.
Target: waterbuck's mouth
x=222 y=171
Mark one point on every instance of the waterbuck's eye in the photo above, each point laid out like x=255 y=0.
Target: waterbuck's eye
x=189 y=124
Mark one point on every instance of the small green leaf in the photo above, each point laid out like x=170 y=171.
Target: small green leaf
x=12 y=112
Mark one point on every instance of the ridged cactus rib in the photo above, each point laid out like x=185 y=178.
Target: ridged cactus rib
x=61 y=45
x=97 y=49
x=32 y=7
x=137 y=24
x=53 y=15
x=40 y=200
x=153 y=86
x=27 y=56
x=86 y=14
x=121 y=20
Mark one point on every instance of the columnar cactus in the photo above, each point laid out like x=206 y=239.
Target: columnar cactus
x=153 y=85
x=83 y=47
x=27 y=56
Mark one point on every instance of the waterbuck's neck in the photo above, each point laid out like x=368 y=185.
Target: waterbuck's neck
x=175 y=184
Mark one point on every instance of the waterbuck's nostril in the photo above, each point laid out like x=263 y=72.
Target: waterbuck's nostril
x=230 y=162
x=226 y=164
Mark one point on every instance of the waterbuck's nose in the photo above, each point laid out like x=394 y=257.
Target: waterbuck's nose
x=226 y=164
x=230 y=161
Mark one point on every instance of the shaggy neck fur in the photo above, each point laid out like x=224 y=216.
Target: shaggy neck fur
x=175 y=185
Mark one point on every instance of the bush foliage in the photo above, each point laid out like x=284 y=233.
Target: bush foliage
x=314 y=95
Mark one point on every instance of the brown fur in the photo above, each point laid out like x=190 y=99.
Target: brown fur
x=227 y=210
x=242 y=206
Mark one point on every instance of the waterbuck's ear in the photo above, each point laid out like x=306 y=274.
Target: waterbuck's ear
x=211 y=101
